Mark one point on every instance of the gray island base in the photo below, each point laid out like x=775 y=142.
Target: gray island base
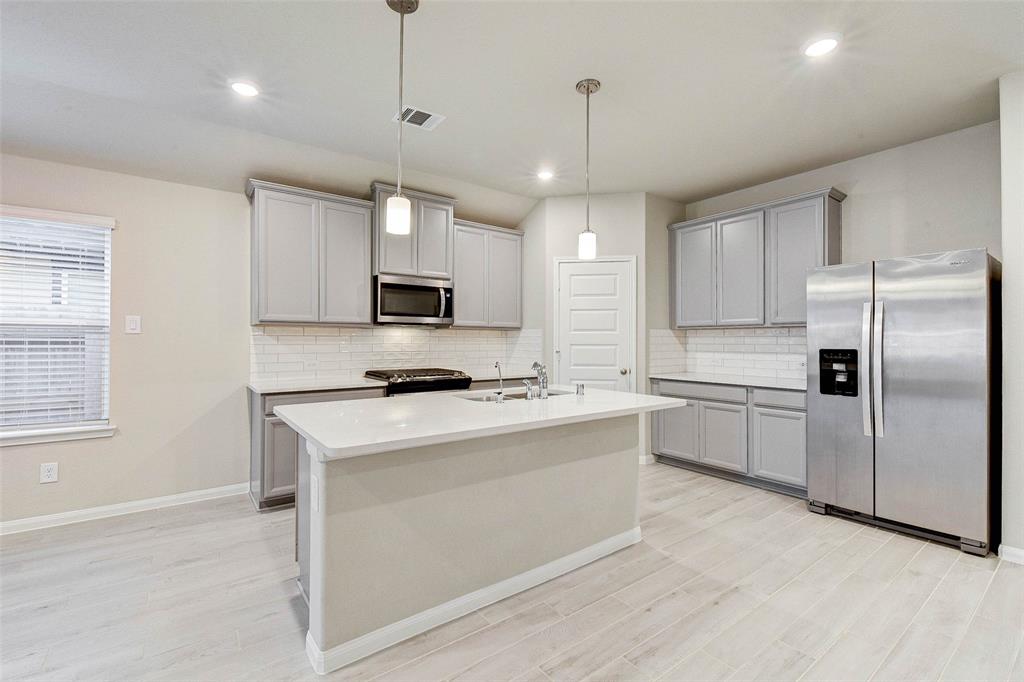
x=404 y=541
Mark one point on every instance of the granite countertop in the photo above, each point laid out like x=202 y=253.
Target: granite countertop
x=735 y=380
x=354 y=428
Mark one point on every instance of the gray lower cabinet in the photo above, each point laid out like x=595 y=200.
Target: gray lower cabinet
x=723 y=431
x=754 y=434
x=310 y=256
x=779 y=445
x=274 y=446
x=678 y=432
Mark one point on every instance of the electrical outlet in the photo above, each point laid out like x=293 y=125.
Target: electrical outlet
x=48 y=472
x=309 y=364
x=133 y=324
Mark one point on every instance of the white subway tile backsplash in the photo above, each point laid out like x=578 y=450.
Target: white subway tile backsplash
x=762 y=352
x=286 y=352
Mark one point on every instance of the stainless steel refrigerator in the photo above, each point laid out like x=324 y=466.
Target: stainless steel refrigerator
x=903 y=394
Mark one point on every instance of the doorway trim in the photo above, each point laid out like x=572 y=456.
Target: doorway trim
x=631 y=350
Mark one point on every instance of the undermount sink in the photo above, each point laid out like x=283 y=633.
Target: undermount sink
x=509 y=395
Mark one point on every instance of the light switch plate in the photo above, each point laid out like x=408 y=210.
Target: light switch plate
x=133 y=324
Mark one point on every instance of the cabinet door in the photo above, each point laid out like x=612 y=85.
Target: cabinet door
x=434 y=233
x=678 y=430
x=795 y=245
x=344 y=263
x=504 y=280
x=280 y=447
x=723 y=435
x=470 y=273
x=693 y=276
x=780 y=446
x=287 y=228
x=740 y=273
x=396 y=253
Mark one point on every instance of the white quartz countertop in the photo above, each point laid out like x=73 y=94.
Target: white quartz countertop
x=354 y=428
x=266 y=386
x=735 y=380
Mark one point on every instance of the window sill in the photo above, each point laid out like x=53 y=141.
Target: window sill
x=56 y=434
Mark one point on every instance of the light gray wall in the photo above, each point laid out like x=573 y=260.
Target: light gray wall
x=938 y=194
x=659 y=213
x=1011 y=117
x=180 y=258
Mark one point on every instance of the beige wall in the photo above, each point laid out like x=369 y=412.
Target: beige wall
x=1011 y=117
x=181 y=260
x=938 y=194
x=659 y=213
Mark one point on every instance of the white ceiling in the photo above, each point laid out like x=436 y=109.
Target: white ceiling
x=699 y=98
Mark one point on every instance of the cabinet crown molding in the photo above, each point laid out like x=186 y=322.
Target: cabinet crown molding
x=831 y=192
x=252 y=185
x=377 y=186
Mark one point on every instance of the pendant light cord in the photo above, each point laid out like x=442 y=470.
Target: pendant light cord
x=587 y=174
x=401 y=108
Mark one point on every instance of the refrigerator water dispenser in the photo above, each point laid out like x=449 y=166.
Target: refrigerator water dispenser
x=838 y=374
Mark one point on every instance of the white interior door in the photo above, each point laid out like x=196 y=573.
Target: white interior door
x=595 y=323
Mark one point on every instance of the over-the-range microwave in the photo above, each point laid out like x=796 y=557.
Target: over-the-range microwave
x=412 y=300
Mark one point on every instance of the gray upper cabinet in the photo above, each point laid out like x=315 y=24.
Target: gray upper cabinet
x=470 y=287
x=802 y=234
x=740 y=272
x=344 y=263
x=427 y=251
x=310 y=256
x=434 y=239
x=286 y=230
x=748 y=267
x=487 y=272
x=693 y=272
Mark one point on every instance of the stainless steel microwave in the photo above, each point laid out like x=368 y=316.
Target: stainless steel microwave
x=412 y=300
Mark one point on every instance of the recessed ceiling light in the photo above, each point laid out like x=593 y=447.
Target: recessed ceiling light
x=245 y=89
x=822 y=45
x=545 y=175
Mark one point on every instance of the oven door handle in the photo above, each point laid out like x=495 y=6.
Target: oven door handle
x=440 y=290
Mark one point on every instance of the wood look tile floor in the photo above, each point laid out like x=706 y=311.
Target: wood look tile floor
x=730 y=582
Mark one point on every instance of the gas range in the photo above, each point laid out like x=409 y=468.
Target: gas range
x=420 y=380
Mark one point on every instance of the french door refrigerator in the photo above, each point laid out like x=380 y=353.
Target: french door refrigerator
x=903 y=394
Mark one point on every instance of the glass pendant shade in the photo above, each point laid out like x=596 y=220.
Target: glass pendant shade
x=587 y=246
x=399 y=215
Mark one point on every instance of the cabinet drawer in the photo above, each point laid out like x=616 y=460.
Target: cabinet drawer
x=272 y=401
x=796 y=400
x=691 y=389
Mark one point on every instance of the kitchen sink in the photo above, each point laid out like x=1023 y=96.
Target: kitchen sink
x=509 y=395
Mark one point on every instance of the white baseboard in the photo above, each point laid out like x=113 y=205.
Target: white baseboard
x=1011 y=554
x=336 y=657
x=64 y=518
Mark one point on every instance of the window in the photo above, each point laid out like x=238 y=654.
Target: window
x=54 y=323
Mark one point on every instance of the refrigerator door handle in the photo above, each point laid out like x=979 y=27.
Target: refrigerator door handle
x=865 y=377
x=876 y=369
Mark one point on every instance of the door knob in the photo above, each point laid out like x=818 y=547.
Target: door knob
x=623 y=371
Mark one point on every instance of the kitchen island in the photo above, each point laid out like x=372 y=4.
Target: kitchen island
x=415 y=510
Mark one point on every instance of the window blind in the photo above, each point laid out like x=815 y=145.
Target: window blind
x=54 y=321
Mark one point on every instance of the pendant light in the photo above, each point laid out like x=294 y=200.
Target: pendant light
x=399 y=210
x=586 y=248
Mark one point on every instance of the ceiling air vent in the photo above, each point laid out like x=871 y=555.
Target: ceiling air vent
x=419 y=118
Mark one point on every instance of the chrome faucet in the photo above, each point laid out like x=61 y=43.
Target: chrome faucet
x=529 y=389
x=501 y=383
x=542 y=379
